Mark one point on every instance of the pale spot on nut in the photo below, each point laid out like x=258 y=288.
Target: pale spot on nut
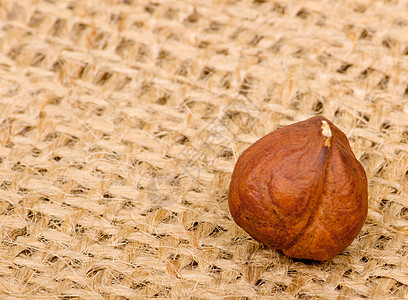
x=326 y=129
x=326 y=132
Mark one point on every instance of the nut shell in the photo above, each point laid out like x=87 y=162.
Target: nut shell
x=300 y=189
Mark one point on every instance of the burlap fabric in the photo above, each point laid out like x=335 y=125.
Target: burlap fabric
x=120 y=123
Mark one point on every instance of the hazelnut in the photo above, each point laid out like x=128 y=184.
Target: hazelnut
x=300 y=189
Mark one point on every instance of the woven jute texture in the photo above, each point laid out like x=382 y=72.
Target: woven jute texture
x=121 y=122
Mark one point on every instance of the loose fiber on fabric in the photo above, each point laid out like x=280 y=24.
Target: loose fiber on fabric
x=121 y=121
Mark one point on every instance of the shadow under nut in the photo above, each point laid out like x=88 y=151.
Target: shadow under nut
x=300 y=189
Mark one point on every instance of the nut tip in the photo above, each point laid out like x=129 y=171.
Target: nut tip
x=326 y=129
x=326 y=132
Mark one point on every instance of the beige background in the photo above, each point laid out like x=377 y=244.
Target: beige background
x=120 y=123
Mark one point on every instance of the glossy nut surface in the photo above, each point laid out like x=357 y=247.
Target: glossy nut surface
x=300 y=189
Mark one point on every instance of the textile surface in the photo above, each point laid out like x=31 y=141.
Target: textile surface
x=121 y=121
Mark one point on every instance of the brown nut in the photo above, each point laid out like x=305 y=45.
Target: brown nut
x=300 y=189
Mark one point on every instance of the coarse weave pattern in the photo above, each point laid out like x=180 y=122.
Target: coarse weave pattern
x=121 y=121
